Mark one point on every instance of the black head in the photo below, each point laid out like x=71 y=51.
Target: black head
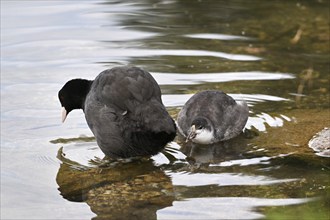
x=201 y=123
x=73 y=95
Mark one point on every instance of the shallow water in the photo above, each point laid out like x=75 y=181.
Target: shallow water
x=273 y=54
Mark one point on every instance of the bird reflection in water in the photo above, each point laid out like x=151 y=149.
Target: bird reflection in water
x=201 y=156
x=116 y=190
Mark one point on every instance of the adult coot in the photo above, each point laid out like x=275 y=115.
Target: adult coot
x=212 y=116
x=124 y=110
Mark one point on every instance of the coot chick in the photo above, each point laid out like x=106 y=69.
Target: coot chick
x=124 y=110
x=212 y=116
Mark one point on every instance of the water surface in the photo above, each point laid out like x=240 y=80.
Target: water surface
x=272 y=54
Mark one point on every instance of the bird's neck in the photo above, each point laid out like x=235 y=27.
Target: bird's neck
x=84 y=89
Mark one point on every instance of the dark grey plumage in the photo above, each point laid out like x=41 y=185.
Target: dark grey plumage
x=212 y=116
x=124 y=110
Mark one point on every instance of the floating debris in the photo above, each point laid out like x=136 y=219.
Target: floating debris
x=320 y=143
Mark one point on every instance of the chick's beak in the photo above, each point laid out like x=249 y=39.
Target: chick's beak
x=192 y=133
x=64 y=114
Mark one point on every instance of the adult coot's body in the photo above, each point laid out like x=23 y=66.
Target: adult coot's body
x=124 y=110
x=212 y=116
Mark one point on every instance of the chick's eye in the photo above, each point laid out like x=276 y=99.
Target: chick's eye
x=199 y=126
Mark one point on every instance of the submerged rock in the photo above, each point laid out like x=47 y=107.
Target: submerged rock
x=320 y=143
x=134 y=189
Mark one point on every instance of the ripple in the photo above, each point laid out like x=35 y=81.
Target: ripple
x=175 y=100
x=171 y=154
x=222 y=179
x=199 y=78
x=209 y=36
x=245 y=208
x=44 y=160
x=250 y=161
x=261 y=120
x=81 y=153
x=62 y=52
x=198 y=53
x=84 y=152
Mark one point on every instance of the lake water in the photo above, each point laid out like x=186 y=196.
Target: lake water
x=273 y=54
